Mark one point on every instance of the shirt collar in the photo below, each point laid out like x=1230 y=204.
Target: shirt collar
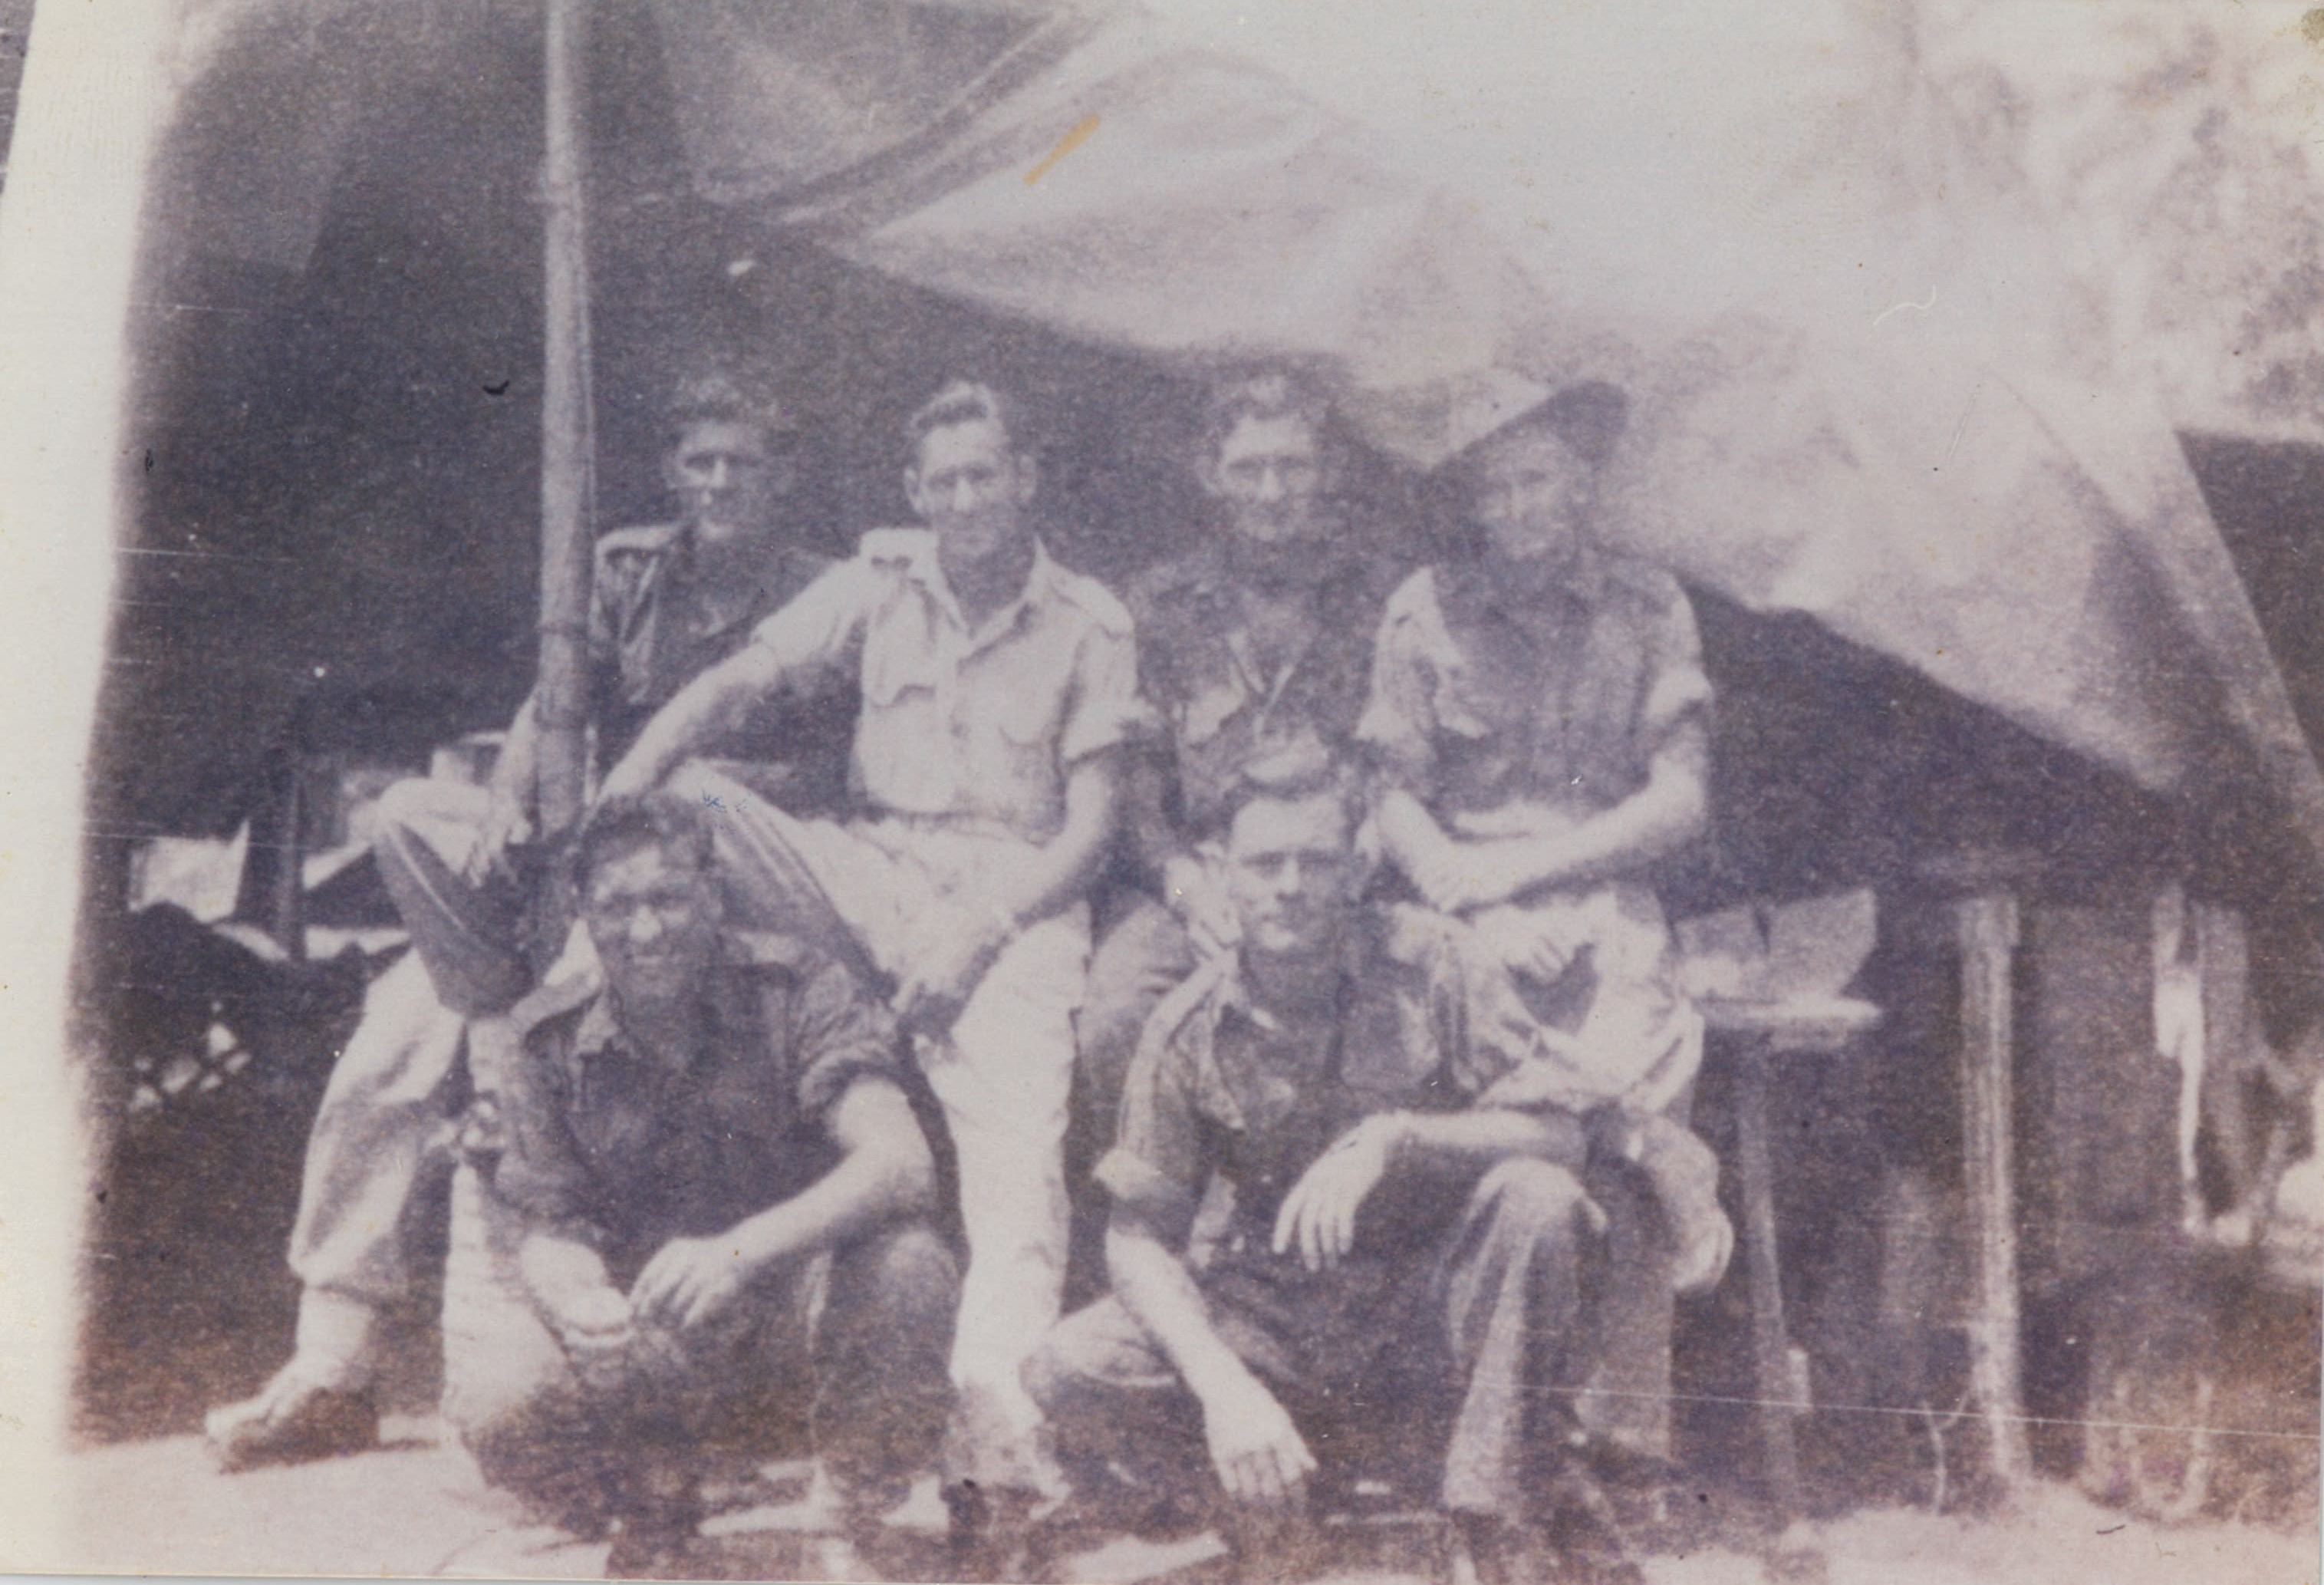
x=782 y=573
x=727 y=995
x=1357 y=950
x=1040 y=589
x=1471 y=586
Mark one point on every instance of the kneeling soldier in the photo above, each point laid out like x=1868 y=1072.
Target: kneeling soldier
x=1410 y=1233
x=712 y=1198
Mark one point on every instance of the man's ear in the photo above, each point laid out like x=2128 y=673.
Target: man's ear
x=912 y=488
x=670 y=479
x=1028 y=476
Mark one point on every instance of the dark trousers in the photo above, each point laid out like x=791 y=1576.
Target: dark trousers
x=1471 y=1347
x=857 y=1338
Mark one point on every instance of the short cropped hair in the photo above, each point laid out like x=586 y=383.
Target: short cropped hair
x=678 y=825
x=963 y=401
x=1589 y=417
x=1264 y=395
x=723 y=395
x=1293 y=772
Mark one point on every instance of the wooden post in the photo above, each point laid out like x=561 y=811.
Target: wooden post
x=1987 y=933
x=565 y=548
x=1771 y=1343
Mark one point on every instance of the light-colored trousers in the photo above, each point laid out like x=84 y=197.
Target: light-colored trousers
x=1003 y=1072
x=383 y=1122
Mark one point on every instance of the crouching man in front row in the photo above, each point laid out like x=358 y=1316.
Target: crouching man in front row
x=711 y=1205
x=1416 y=1259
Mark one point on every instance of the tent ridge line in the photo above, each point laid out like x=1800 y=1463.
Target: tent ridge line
x=1041 y=48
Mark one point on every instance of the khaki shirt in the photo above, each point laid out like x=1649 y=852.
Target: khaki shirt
x=1221 y=707
x=1220 y=1088
x=979 y=729
x=1477 y=705
x=606 y=1143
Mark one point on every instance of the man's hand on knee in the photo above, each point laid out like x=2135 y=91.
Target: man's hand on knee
x=688 y=1283
x=1318 y=1218
x=1262 y=1458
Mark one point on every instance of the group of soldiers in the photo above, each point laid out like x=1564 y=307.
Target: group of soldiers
x=1171 y=1055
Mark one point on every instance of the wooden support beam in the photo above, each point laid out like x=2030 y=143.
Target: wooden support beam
x=565 y=540
x=1987 y=930
x=1771 y=1342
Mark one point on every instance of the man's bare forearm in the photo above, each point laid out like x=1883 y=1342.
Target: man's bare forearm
x=1155 y=1286
x=1406 y=827
x=1060 y=871
x=884 y=1173
x=715 y=703
x=1669 y=812
x=1482 y=1136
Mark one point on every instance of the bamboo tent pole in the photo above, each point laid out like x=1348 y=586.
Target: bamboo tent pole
x=564 y=428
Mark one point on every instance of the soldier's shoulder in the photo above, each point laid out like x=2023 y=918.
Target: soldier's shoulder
x=894 y=549
x=764 y=953
x=640 y=542
x=1189 y=1011
x=1644 y=583
x=1093 y=600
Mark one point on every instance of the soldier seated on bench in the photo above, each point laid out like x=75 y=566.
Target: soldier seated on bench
x=711 y=1197
x=1411 y=1233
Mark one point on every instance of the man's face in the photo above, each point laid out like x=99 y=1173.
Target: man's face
x=729 y=482
x=972 y=487
x=654 y=921
x=1291 y=871
x=1534 y=496
x=1269 y=475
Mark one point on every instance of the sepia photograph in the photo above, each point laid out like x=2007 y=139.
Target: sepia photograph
x=1213 y=792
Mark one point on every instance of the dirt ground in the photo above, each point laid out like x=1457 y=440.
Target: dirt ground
x=416 y=1507
x=193 y=1307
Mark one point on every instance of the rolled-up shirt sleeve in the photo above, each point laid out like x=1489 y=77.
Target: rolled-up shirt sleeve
x=1158 y=1167
x=840 y=1034
x=1105 y=710
x=540 y=1172
x=820 y=632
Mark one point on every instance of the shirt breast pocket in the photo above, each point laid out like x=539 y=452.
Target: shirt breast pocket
x=899 y=678
x=1027 y=717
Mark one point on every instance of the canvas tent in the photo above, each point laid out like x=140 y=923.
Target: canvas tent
x=1978 y=497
